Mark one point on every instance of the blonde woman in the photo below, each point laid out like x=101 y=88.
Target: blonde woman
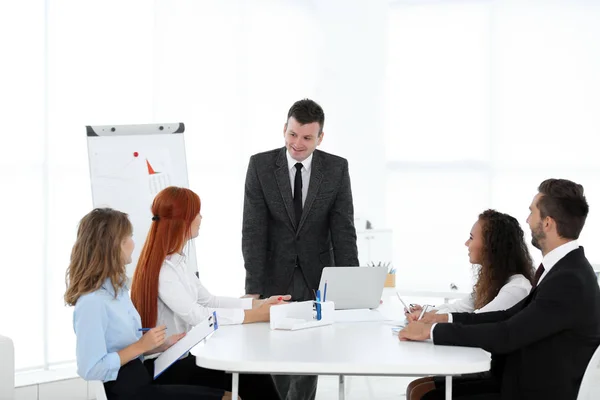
x=110 y=345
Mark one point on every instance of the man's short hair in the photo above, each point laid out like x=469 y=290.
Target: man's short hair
x=307 y=111
x=565 y=203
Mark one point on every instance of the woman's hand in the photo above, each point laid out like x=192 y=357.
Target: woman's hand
x=262 y=311
x=170 y=341
x=429 y=317
x=271 y=300
x=152 y=339
x=415 y=307
x=279 y=299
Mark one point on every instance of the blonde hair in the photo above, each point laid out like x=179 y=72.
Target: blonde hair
x=97 y=254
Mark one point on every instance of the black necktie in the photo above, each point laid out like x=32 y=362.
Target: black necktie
x=538 y=275
x=298 y=194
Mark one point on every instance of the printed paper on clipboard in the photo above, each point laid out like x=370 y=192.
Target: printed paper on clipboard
x=193 y=337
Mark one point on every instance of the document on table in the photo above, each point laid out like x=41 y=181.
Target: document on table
x=192 y=338
x=361 y=315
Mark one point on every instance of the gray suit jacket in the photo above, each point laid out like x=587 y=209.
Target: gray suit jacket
x=271 y=242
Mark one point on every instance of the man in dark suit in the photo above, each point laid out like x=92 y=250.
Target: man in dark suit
x=298 y=218
x=298 y=211
x=546 y=340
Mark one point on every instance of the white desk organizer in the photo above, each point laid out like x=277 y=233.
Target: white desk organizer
x=300 y=315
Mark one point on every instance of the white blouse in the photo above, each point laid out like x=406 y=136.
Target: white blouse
x=183 y=301
x=515 y=290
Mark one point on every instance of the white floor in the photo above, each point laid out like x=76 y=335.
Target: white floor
x=363 y=388
x=357 y=388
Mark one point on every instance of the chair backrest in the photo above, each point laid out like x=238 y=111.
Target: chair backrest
x=98 y=390
x=590 y=384
x=7 y=369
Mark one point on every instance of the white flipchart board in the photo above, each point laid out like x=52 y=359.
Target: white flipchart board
x=129 y=165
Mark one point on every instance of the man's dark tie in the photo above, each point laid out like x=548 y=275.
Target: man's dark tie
x=298 y=194
x=538 y=275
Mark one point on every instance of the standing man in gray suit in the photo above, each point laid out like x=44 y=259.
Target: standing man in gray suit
x=298 y=219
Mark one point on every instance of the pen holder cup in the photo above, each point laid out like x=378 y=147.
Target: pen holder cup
x=390 y=280
x=300 y=315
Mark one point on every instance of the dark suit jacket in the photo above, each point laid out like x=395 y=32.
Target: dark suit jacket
x=271 y=242
x=548 y=338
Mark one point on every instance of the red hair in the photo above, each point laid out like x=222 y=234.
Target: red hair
x=173 y=209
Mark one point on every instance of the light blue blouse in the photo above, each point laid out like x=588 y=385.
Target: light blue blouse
x=104 y=325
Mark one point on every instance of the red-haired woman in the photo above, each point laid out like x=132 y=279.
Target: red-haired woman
x=166 y=292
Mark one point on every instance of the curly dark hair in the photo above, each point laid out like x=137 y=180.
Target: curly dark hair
x=505 y=253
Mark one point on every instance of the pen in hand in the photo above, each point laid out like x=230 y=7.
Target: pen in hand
x=422 y=312
x=406 y=309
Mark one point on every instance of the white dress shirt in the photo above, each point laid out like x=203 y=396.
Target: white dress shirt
x=556 y=255
x=306 y=164
x=183 y=301
x=515 y=290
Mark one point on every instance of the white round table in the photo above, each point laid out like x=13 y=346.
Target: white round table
x=367 y=348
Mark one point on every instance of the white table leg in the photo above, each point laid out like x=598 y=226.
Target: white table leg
x=449 y=387
x=235 y=382
x=342 y=395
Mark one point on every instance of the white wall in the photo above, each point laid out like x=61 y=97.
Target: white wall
x=351 y=84
x=491 y=98
x=234 y=99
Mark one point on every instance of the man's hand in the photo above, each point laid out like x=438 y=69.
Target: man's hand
x=417 y=331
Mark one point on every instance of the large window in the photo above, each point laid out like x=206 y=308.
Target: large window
x=485 y=100
x=443 y=109
x=217 y=67
x=23 y=175
x=438 y=137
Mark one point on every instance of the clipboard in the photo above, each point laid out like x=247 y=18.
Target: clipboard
x=191 y=339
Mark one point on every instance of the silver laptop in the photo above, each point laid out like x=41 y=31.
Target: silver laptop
x=353 y=287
